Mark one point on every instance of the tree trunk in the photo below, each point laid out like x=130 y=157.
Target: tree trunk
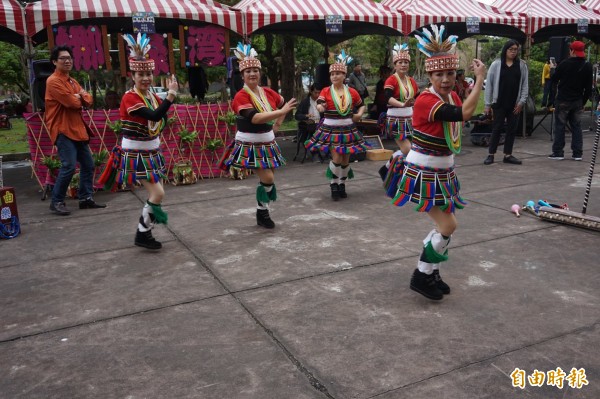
x=288 y=69
x=270 y=66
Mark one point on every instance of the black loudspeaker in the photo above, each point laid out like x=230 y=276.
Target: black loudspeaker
x=559 y=48
x=322 y=76
x=39 y=94
x=42 y=69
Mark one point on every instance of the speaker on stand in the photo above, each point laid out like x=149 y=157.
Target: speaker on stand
x=559 y=48
x=42 y=69
x=322 y=76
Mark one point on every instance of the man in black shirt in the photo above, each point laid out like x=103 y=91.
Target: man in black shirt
x=574 y=78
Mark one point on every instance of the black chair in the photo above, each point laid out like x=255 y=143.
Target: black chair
x=305 y=130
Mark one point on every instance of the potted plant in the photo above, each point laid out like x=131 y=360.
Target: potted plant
x=100 y=159
x=183 y=173
x=213 y=145
x=229 y=118
x=115 y=126
x=73 y=186
x=53 y=164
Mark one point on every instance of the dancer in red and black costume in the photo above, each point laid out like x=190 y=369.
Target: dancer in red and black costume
x=139 y=159
x=342 y=107
x=260 y=112
x=428 y=177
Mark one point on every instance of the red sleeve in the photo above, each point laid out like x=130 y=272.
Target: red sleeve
x=131 y=102
x=241 y=101
x=275 y=99
x=391 y=83
x=324 y=94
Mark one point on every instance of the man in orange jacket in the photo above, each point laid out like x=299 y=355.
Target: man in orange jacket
x=64 y=101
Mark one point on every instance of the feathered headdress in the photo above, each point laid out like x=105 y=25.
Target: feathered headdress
x=439 y=52
x=246 y=56
x=400 y=52
x=138 y=52
x=341 y=63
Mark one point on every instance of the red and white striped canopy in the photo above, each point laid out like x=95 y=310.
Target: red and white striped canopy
x=49 y=12
x=11 y=16
x=259 y=13
x=543 y=13
x=419 y=13
x=592 y=5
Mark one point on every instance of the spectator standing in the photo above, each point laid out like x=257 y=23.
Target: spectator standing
x=574 y=77
x=64 y=101
x=358 y=81
x=547 y=72
x=380 y=104
x=461 y=87
x=506 y=93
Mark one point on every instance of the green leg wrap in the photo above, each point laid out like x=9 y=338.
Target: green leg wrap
x=432 y=256
x=261 y=195
x=273 y=193
x=160 y=216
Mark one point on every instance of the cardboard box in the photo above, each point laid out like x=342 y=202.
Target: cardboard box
x=379 y=155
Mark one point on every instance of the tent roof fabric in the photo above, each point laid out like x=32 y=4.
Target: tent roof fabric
x=592 y=5
x=11 y=16
x=259 y=13
x=543 y=13
x=50 y=12
x=420 y=13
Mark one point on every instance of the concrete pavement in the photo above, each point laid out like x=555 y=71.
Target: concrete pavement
x=318 y=308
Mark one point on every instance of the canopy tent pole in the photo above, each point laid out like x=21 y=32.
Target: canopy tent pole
x=29 y=54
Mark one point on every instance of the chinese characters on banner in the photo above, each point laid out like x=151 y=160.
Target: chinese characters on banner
x=333 y=24
x=472 y=25
x=143 y=22
x=204 y=45
x=159 y=52
x=87 y=43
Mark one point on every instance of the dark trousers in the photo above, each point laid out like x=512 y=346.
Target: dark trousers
x=568 y=112
x=548 y=97
x=512 y=123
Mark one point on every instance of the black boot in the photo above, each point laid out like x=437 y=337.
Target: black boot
x=383 y=171
x=343 y=191
x=445 y=288
x=263 y=219
x=145 y=239
x=425 y=285
x=335 y=191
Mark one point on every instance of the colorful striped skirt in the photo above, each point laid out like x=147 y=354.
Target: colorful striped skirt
x=429 y=187
x=394 y=174
x=343 y=139
x=126 y=167
x=250 y=155
x=398 y=127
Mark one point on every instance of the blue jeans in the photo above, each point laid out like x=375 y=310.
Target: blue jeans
x=70 y=152
x=568 y=111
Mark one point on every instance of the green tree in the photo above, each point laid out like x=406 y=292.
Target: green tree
x=13 y=71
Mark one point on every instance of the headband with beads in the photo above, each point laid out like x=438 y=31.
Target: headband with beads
x=400 y=52
x=341 y=63
x=439 y=52
x=246 y=56
x=138 y=52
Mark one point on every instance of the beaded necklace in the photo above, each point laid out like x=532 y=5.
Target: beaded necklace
x=261 y=103
x=406 y=91
x=452 y=130
x=154 y=128
x=343 y=104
